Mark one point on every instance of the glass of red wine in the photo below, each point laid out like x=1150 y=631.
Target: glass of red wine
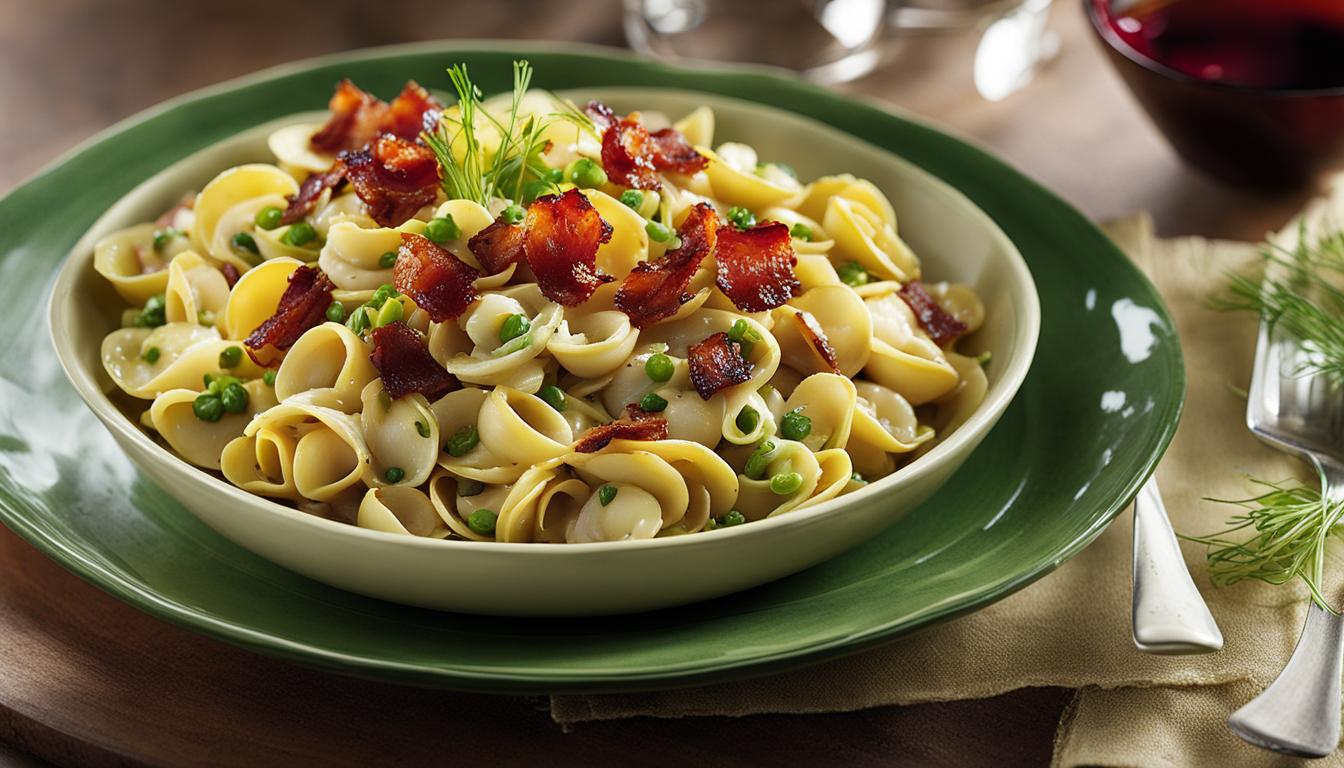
x=1249 y=91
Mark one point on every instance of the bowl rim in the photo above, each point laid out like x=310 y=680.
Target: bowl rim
x=1115 y=43
x=1024 y=340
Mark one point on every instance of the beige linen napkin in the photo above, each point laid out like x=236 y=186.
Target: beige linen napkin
x=1072 y=628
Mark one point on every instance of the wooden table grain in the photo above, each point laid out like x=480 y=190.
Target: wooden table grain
x=86 y=680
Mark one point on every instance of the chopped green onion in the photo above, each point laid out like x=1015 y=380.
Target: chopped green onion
x=394 y=474
x=268 y=218
x=482 y=521
x=442 y=229
x=234 y=398
x=786 y=483
x=392 y=311
x=852 y=274
x=794 y=425
x=659 y=367
x=758 y=460
x=230 y=357
x=585 y=173
x=468 y=487
x=606 y=494
x=299 y=233
x=422 y=429
x=741 y=217
x=801 y=231
x=462 y=441
x=747 y=419
x=336 y=312
x=652 y=402
x=151 y=355
x=554 y=396
x=632 y=199
x=513 y=327
x=268 y=377
x=207 y=407
x=514 y=214
x=387 y=260
x=657 y=232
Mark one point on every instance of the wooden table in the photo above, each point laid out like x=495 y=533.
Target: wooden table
x=87 y=680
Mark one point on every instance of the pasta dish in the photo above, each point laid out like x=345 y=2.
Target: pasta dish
x=524 y=320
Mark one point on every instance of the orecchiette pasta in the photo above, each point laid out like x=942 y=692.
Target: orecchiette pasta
x=536 y=336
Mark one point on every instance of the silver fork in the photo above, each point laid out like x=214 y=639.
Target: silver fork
x=1299 y=713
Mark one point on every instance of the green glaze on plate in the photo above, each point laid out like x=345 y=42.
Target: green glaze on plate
x=1063 y=460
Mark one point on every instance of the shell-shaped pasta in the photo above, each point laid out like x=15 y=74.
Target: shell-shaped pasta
x=711 y=484
x=330 y=454
x=816 y=196
x=271 y=243
x=593 y=345
x=557 y=509
x=828 y=400
x=256 y=295
x=240 y=218
x=328 y=366
x=196 y=291
x=351 y=255
x=813 y=271
x=755 y=500
x=202 y=442
x=517 y=521
x=630 y=469
x=470 y=217
x=400 y=509
x=903 y=358
x=957 y=406
x=453 y=509
x=344 y=508
x=840 y=314
x=128 y=260
x=582 y=415
x=741 y=186
x=262 y=462
x=493 y=362
x=633 y=513
x=697 y=127
x=401 y=433
x=960 y=301
x=818 y=243
x=861 y=235
x=348 y=207
x=522 y=429
x=629 y=243
x=232 y=187
x=886 y=421
x=688 y=416
x=186 y=353
x=293 y=151
x=836 y=472
x=459 y=410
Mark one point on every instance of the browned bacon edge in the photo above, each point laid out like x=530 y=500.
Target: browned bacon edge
x=303 y=305
x=756 y=266
x=394 y=177
x=435 y=279
x=649 y=427
x=717 y=363
x=357 y=117
x=497 y=246
x=937 y=322
x=816 y=339
x=655 y=290
x=561 y=236
x=406 y=366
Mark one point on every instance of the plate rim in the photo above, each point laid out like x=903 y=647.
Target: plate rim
x=551 y=680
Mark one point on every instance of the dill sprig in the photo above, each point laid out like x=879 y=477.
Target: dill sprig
x=1290 y=525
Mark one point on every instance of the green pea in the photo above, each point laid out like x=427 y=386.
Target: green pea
x=554 y=396
x=336 y=312
x=659 y=367
x=984 y=357
x=482 y=521
x=422 y=429
x=162 y=237
x=857 y=478
x=745 y=335
x=514 y=214
x=151 y=355
x=741 y=217
x=243 y=242
x=759 y=460
x=392 y=311
x=230 y=357
x=387 y=260
x=794 y=425
x=852 y=274
x=606 y=494
x=747 y=419
x=380 y=296
x=657 y=232
x=733 y=518
x=153 y=314
x=358 y=321
x=269 y=217
x=786 y=483
x=394 y=474
x=468 y=487
x=462 y=441
x=586 y=174
x=632 y=199
x=205 y=317
x=442 y=229
x=207 y=407
x=513 y=327
x=652 y=402
x=268 y=377
x=233 y=398
x=299 y=233
x=801 y=231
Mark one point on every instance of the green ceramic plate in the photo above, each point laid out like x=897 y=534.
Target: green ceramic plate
x=1086 y=429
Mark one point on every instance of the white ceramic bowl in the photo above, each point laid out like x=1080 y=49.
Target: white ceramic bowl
x=955 y=240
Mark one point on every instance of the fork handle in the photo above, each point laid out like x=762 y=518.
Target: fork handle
x=1169 y=616
x=1299 y=714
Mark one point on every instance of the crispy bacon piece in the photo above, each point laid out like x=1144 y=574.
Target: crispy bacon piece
x=816 y=339
x=563 y=233
x=406 y=365
x=358 y=117
x=627 y=156
x=656 y=290
x=436 y=280
x=671 y=152
x=303 y=203
x=716 y=363
x=230 y=273
x=650 y=427
x=756 y=266
x=394 y=177
x=497 y=246
x=634 y=413
x=941 y=326
x=303 y=305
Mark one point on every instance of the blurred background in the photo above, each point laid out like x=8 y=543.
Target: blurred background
x=69 y=68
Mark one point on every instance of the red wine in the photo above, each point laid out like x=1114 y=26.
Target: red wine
x=1278 y=44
